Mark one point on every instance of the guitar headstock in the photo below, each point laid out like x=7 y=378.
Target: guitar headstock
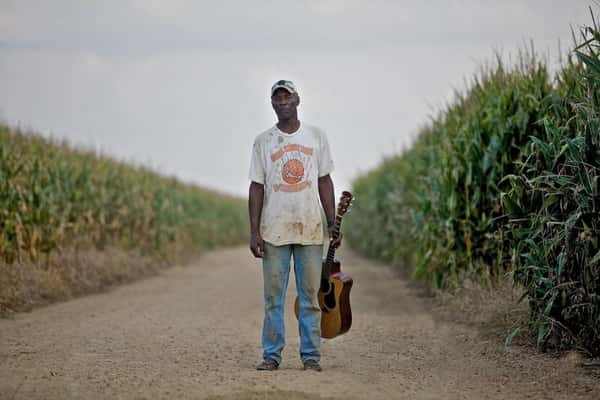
x=344 y=203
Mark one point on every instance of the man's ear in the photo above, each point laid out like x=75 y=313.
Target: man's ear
x=297 y=99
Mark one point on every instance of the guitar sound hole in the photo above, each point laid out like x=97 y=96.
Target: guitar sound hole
x=329 y=299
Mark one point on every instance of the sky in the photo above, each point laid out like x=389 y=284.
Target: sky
x=183 y=86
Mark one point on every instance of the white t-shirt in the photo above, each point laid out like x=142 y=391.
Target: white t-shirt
x=289 y=165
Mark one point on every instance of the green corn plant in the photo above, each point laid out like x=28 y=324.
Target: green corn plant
x=553 y=203
x=53 y=195
x=505 y=177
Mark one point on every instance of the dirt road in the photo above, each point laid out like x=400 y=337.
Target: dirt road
x=194 y=333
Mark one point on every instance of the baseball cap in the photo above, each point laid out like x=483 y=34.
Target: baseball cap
x=283 y=84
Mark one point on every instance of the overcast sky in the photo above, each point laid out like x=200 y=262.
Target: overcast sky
x=183 y=86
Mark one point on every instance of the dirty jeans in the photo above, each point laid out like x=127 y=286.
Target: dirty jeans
x=276 y=270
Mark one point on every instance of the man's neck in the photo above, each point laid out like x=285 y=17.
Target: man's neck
x=289 y=125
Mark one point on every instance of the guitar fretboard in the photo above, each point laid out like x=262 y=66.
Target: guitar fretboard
x=331 y=250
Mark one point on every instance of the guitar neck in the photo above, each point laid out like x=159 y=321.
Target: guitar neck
x=331 y=250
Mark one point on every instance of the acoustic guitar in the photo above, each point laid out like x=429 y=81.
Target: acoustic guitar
x=334 y=292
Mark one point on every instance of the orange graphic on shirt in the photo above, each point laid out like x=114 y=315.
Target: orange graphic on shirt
x=292 y=188
x=292 y=171
x=291 y=147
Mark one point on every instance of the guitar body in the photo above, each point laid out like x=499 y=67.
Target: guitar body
x=334 y=301
x=334 y=293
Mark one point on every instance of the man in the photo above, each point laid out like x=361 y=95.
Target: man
x=289 y=173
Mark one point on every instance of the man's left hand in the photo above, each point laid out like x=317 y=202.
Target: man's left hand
x=335 y=242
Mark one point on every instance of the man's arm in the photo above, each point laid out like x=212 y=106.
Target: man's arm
x=326 y=195
x=255 y=203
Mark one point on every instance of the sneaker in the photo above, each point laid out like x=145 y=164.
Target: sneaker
x=268 y=365
x=312 y=365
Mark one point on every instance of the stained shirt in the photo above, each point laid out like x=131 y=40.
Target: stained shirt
x=289 y=165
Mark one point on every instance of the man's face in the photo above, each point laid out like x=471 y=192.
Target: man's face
x=284 y=103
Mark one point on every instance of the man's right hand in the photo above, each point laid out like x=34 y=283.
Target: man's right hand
x=257 y=245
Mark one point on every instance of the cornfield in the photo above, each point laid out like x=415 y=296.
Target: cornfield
x=54 y=198
x=503 y=179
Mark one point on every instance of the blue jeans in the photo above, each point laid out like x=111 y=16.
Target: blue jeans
x=276 y=271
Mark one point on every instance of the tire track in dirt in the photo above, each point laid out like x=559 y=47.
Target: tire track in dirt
x=194 y=332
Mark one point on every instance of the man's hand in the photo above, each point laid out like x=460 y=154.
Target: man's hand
x=257 y=245
x=334 y=242
x=255 y=203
